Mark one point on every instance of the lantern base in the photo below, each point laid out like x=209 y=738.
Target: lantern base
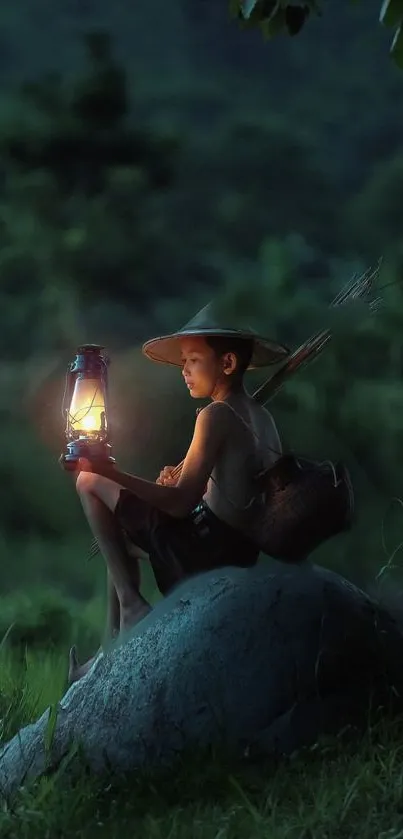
x=92 y=450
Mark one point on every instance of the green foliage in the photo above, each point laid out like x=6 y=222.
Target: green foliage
x=42 y=620
x=391 y=13
x=376 y=210
x=274 y=16
x=277 y=17
x=397 y=47
x=79 y=181
x=262 y=164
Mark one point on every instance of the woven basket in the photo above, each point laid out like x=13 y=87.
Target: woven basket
x=306 y=503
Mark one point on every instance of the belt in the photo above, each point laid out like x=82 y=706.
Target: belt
x=208 y=524
x=200 y=515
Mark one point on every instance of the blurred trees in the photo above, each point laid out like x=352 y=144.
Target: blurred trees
x=80 y=214
x=119 y=218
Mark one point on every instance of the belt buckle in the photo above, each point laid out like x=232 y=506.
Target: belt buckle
x=197 y=512
x=199 y=518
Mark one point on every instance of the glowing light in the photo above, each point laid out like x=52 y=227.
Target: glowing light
x=87 y=409
x=88 y=423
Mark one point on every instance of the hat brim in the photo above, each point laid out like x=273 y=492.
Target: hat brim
x=167 y=348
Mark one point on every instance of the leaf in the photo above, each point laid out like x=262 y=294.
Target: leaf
x=258 y=10
x=391 y=13
x=247 y=7
x=51 y=726
x=235 y=8
x=295 y=17
x=275 y=25
x=396 y=49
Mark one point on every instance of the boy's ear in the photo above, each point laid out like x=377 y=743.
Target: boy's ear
x=229 y=363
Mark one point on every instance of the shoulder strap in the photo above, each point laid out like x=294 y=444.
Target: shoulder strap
x=258 y=474
x=248 y=425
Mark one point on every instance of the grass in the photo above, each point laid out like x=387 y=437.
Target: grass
x=331 y=789
x=334 y=789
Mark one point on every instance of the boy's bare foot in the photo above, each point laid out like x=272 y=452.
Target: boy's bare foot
x=129 y=616
x=77 y=670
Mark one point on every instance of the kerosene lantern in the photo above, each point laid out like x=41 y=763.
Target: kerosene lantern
x=85 y=408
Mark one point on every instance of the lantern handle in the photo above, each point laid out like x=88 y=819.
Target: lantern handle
x=96 y=349
x=68 y=391
x=106 y=362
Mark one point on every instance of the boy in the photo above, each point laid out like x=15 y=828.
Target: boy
x=203 y=517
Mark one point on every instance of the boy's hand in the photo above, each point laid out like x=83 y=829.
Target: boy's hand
x=81 y=465
x=99 y=467
x=84 y=465
x=166 y=477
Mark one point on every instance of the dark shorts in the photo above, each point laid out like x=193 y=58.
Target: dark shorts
x=180 y=548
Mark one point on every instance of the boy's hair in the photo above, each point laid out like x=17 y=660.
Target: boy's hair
x=241 y=347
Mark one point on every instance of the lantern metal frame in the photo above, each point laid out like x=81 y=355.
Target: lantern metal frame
x=96 y=446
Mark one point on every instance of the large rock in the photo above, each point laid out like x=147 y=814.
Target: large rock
x=267 y=657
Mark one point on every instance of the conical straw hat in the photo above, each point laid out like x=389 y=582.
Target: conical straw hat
x=208 y=322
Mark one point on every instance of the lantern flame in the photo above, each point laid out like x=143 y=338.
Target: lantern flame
x=87 y=409
x=89 y=423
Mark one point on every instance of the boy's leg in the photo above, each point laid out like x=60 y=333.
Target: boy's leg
x=125 y=606
x=77 y=670
x=112 y=610
x=99 y=497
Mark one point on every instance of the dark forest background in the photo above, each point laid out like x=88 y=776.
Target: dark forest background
x=153 y=156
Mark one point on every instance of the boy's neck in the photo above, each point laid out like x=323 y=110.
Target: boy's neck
x=223 y=394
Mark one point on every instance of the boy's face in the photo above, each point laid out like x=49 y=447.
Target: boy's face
x=202 y=371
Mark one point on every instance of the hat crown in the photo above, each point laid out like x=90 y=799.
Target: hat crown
x=212 y=317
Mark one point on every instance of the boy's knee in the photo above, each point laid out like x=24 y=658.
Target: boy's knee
x=92 y=484
x=85 y=482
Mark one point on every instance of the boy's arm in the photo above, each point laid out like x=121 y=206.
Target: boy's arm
x=209 y=434
x=211 y=430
